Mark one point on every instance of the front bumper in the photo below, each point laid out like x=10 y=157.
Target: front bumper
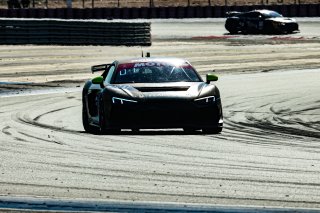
x=286 y=27
x=165 y=114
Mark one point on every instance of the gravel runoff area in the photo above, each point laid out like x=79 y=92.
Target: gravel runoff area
x=204 y=42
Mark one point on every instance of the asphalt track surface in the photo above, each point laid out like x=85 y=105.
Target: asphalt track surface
x=213 y=28
x=266 y=159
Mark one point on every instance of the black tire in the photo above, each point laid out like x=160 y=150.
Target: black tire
x=232 y=26
x=233 y=32
x=85 y=121
x=216 y=130
x=102 y=117
x=102 y=121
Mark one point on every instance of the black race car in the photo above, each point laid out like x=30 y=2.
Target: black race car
x=150 y=93
x=260 y=21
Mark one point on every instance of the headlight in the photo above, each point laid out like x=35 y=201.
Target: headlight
x=206 y=100
x=121 y=101
x=278 y=24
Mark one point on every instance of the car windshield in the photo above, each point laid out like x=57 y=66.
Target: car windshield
x=155 y=72
x=272 y=14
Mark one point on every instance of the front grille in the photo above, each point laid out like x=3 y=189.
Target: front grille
x=165 y=114
x=161 y=89
x=291 y=26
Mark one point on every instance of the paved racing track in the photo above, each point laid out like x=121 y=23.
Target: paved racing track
x=268 y=154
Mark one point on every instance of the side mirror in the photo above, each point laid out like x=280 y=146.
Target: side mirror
x=97 y=80
x=211 y=77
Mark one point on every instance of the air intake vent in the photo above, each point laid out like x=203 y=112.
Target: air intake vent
x=161 y=89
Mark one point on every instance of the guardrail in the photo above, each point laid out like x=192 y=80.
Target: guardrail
x=67 y=32
x=292 y=10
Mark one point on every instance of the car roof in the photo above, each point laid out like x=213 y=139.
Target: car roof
x=170 y=60
x=264 y=11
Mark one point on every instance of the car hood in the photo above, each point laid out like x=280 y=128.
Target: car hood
x=282 y=19
x=185 y=90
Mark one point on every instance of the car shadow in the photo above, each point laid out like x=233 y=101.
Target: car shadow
x=151 y=132
x=160 y=132
x=261 y=34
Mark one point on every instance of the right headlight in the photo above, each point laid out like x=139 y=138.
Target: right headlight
x=121 y=101
x=205 y=100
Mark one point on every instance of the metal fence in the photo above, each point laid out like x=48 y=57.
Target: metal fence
x=66 y=32
x=141 y=3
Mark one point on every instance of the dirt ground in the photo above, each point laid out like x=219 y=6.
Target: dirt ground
x=205 y=43
x=43 y=64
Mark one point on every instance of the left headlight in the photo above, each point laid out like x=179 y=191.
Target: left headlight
x=205 y=100
x=121 y=101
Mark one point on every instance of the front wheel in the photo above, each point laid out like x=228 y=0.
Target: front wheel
x=232 y=26
x=215 y=130
x=85 y=121
x=103 y=121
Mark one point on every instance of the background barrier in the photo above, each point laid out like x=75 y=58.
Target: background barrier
x=22 y=31
x=302 y=10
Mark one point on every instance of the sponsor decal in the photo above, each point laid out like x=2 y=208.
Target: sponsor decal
x=140 y=64
x=123 y=68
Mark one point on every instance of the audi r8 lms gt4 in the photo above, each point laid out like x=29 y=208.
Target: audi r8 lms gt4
x=260 y=21
x=151 y=93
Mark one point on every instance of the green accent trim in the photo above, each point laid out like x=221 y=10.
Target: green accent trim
x=211 y=77
x=97 y=80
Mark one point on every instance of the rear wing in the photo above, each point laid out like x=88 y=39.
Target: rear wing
x=232 y=13
x=101 y=67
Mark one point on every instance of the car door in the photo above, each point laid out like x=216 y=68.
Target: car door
x=254 y=21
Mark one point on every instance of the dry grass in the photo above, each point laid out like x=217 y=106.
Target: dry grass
x=155 y=3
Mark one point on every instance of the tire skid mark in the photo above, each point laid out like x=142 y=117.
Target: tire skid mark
x=280 y=131
x=26 y=120
x=272 y=122
x=41 y=139
x=130 y=172
x=52 y=111
x=5 y=130
x=268 y=125
x=150 y=193
x=20 y=139
x=255 y=130
x=155 y=175
x=170 y=178
x=309 y=124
